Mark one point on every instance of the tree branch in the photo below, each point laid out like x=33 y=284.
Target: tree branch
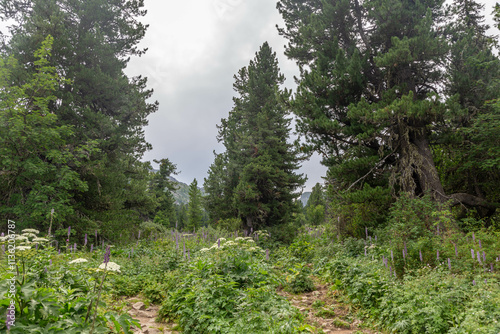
x=378 y=164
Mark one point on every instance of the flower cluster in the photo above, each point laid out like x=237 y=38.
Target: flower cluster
x=40 y=240
x=30 y=230
x=246 y=243
x=261 y=234
x=107 y=255
x=80 y=260
x=111 y=266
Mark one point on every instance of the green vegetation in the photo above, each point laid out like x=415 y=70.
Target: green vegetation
x=404 y=235
x=95 y=114
x=163 y=188
x=216 y=282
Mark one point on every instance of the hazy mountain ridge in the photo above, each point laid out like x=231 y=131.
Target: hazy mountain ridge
x=305 y=197
x=181 y=195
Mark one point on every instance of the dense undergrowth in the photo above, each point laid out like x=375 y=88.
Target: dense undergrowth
x=429 y=280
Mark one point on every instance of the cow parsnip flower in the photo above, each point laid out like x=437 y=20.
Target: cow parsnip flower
x=21 y=248
x=80 y=260
x=30 y=230
x=40 y=240
x=111 y=266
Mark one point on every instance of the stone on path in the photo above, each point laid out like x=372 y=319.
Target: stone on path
x=139 y=306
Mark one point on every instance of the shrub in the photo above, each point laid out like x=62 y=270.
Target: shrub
x=302 y=249
x=230 y=224
x=148 y=227
x=298 y=279
x=229 y=289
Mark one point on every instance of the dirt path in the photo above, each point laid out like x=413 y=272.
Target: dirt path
x=323 y=312
x=146 y=316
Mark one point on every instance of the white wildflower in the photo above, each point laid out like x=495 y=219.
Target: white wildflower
x=29 y=235
x=21 y=237
x=262 y=233
x=30 y=230
x=239 y=239
x=111 y=266
x=80 y=260
x=40 y=240
x=21 y=248
x=204 y=250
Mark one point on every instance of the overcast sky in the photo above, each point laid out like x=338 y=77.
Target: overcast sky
x=194 y=49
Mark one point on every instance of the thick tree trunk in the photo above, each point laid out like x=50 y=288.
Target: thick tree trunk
x=427 y=178
x=426 y=174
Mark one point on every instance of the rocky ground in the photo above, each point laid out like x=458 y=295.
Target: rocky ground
x=324 y=312
x=146 y=316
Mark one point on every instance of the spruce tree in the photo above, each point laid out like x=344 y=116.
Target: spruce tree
x=195 y=213
x=218 y=184
x=162 y=188
x=466 y=145
x=259 y=163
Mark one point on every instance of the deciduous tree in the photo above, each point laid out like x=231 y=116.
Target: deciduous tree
x=93 y=41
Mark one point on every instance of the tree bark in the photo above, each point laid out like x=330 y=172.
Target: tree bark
x=428 y=179
x=427 y=174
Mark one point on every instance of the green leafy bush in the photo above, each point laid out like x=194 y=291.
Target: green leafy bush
x=302 y=250
x=298 y=280
x=55 y=295
x=229 y=288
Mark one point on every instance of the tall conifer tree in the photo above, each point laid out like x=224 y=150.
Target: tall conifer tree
x=163 y=187
x=259 y=177
x=194 y=213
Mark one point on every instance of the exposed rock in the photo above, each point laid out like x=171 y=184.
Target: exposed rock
x=139 y=306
